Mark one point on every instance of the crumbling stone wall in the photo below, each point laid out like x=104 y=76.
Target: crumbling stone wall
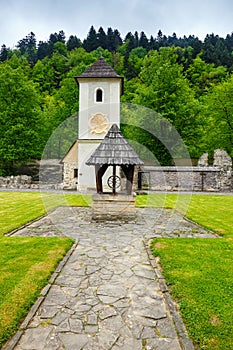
x=50 y=177
x=181 y=179
x=224 y=162
x=203 y=160
x=216 y=178
x=19 y=181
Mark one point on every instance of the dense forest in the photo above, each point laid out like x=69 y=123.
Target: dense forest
x=185 y=80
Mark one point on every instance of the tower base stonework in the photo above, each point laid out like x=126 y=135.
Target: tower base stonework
x=109 y=207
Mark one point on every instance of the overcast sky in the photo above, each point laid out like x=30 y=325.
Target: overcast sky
x=43 y=17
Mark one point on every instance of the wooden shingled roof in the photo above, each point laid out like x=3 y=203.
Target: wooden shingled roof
x=100 y=69
x=114 y=150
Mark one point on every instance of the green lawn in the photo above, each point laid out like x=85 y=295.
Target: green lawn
x=199 y=272
x=27 y=263
x=18 y=208
x=25 y=267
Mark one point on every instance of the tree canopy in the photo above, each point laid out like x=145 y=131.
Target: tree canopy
x=187 y=81
x=19 y=117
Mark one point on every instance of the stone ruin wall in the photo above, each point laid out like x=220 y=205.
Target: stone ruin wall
x=49 y=173
x=181 y=179
x=215 y=178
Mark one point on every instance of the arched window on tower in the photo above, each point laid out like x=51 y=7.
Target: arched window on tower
x=99 y=95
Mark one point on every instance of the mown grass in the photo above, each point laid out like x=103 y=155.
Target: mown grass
x=213 y=212
x=199 y=272
x=27 y=263
x=25 y=267
x=19 y=208
x=200 y=275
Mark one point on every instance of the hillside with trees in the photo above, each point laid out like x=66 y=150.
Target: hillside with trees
x=186 y=80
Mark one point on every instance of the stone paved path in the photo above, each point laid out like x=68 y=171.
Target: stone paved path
x=109 y=293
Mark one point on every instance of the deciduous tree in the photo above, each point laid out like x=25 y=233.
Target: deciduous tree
x=165 y=89
x=218 y=117
x=19 y=118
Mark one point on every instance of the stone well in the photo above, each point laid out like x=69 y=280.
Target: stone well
x=113 y=207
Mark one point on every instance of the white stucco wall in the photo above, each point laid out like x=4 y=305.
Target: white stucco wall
x=86 y=173
x=88 y=107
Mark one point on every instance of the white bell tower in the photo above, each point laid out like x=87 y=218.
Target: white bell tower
x=100 y=88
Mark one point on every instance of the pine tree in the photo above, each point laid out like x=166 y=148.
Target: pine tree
x=143 y=41
x=27 y=47
x=117 y=39
x=110 y=40
x=113 y=40
x=102 y=38
x=136 y=39
x=43 y=50
x=73 y=42
x=3 y=53
x=91 y=42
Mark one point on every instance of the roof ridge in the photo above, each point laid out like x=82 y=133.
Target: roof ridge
x=98 y=69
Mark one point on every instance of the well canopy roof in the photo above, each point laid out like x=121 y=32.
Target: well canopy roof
x=114 y=150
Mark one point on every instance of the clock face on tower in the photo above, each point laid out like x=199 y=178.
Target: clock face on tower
x=99 y=124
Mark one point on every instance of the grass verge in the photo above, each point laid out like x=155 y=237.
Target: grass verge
x=25 y=267
x=27 y=263
x=199 y=272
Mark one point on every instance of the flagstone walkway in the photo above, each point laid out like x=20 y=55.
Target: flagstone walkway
x=108 y=293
